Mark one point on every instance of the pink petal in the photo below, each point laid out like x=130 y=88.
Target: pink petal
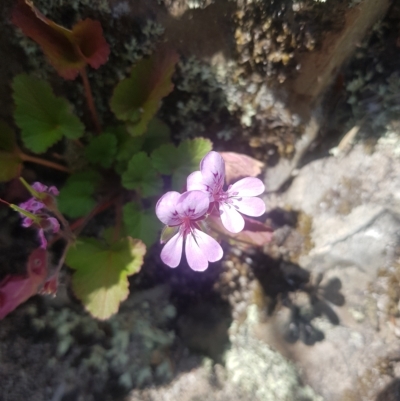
x=54 y=224
x=39 y=187
x=166 y=208
x=27 y=222
x=193 y=204
x=31 y=205
x=195 y=256
x=213 y=171
x=231 y=219
x=42 y=238
x=248 y=186
x=53 y=190
x=249 y=205
x=210 y=247
x=195 y=182
x=172 y=251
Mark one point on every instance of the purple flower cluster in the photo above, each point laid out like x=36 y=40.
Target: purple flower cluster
x=44 y=223
x=205 y=195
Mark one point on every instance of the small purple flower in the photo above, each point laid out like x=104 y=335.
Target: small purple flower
x=184 y=211
x=239 y=197
x=43 y=222
x=32 y=205
x=39 y=187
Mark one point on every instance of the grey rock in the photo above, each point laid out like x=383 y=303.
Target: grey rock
x=354 y=202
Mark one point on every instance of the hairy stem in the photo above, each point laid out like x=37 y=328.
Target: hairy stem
x=90 y=101
x=43 y=162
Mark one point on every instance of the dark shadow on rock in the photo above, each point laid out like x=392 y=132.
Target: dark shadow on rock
x=203 y=317
x=391 y=392
x=288 y=285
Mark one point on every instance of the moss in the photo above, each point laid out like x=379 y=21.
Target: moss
x=257 y=370
x=271 y=35
x=197 y=101
x=122 y=348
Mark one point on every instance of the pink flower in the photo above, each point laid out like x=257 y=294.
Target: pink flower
x=184 y=211
x=44 y=223
x=239 y=197
x=39 y=187
x=32 y=205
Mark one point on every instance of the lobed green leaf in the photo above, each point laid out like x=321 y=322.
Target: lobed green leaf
x=182 y=160
x=43 y=118
x=76 y=197
x=102 y=150
x=141 y=176
x=101 y=273
x=142 y=224
x=136 y=99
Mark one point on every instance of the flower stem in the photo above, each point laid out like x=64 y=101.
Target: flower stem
x=5 y=202
x=90 y=101
x=43 y=162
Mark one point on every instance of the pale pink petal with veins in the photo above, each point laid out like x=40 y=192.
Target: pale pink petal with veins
x=192 y=204
x=250 y=206
x=231 y=218
x=248 y=186
x=171 y=254
x=166 y=209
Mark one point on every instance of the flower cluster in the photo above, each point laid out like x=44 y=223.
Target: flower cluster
x=206 y=195
x=37 y=215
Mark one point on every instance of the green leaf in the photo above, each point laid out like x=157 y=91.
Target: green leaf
x=141 y=176
x=7 y=137
x=182 y=160
x=102 y=269
x=43 y=118
x=75 y=199
x=102 y=150
x=137 y=99
x=142 y=224
x=157 y=134
x=10 y=162
x=10 y=166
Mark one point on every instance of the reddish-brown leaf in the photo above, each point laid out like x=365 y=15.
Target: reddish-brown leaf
x=14 y=290
x=68 y=51
x=239 y=166
x=88 y=35
x=254 y=233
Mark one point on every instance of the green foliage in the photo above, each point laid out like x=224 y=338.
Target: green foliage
x=75 y=199
x=182 y=160
x=10 y=162
x=102 y=150
x=43 y=118
x=137 y=99
x=101 y=272
x=142 y=224
x=141 y=176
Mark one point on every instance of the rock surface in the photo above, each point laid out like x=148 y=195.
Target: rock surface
x=253 y=371
x=354 y=201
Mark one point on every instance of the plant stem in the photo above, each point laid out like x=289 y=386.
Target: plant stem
x=90 y=101
x=5 y=202
x=43 y=162
x=79 y=224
